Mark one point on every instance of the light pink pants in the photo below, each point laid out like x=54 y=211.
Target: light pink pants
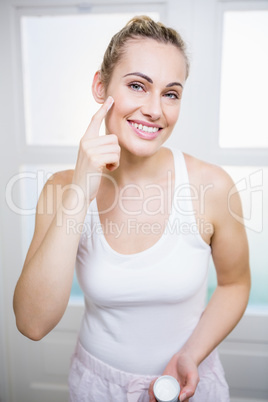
x=91 y=380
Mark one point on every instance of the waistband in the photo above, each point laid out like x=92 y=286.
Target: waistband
x=109 y=373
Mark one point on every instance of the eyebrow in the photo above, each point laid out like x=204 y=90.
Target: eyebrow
x=171 y=84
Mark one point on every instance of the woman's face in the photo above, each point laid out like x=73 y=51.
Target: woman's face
x=147 y=86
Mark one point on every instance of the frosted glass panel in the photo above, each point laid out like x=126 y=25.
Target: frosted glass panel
x=252 y=184
x=244 y=80
x=60 y=55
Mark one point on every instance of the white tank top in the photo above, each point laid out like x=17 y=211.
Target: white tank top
x=141 y=308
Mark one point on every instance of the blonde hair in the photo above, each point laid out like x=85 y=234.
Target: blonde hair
x=138 y=27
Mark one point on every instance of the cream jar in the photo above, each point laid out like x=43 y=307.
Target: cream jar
x=166 y=389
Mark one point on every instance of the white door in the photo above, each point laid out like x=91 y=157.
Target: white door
x=36 y=142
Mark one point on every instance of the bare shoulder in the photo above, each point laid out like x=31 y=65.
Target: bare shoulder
x=51 y=195
x=219 y=196
x=202 y=172
x=63 y=178
x=58 y=180
x=205 y=171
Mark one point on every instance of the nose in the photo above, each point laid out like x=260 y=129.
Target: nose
x=152 y=107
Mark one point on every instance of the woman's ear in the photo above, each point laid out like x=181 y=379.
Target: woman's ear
x=98 y=89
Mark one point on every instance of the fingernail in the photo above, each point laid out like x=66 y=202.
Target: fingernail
x=182 y=397
x=111 y=100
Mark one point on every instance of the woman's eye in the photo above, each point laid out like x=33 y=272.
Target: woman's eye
x=136 y=87
x=172 y=95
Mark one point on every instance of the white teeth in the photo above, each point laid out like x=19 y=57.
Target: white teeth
x=145 y=128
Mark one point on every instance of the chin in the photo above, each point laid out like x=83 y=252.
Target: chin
x=142 y=148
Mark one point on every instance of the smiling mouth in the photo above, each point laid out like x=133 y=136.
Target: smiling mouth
x=144 y=131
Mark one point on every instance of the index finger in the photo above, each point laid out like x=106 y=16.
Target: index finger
x=94 y=126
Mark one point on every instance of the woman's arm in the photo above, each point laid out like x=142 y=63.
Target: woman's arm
x=231 y=259
x=228 y=302
x=43 y=289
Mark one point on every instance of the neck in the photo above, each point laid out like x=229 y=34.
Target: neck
x=137 y=169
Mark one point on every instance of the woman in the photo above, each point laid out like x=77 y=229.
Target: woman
x=152 y=217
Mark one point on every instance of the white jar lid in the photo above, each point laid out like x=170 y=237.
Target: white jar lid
x=166 y=389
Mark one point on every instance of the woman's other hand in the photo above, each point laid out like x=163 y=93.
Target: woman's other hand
x=183 y=368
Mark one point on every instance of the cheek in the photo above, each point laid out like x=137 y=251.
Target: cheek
x=126 y=102
x=115 y=118
x=123 y=108
x=173 y=116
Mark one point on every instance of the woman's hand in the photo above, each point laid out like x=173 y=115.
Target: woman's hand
x=95 y=153
x=183 y=368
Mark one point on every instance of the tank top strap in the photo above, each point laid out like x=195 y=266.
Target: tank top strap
x=181 y=173
x=183 y=191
